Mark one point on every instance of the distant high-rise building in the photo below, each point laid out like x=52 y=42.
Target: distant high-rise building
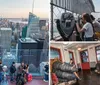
x=5 y=38
x=44 y=54
x=29 y=50
x=33 y=29
x=11 y=26
x=1 y=52
x=18 y=29
x=42 y=23
x=43 y=32
x=24 y=31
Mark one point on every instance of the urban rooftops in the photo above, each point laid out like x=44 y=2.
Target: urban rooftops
x=27 y=40
x=5 y=29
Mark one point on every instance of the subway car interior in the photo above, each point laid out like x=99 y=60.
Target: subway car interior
x=85 y=58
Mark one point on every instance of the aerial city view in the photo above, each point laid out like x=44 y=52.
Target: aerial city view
x=24 y=38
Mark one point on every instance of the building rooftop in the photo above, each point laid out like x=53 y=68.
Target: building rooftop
x=27 y=40
x=5 y=29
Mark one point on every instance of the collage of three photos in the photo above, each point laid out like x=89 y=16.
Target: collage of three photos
x=49 y=42
x=75 y=46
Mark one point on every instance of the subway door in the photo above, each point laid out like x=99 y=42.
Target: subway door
x=84 y=57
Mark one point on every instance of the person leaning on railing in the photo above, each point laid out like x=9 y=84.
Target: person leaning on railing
x=87 y=28
x=12 y=71
x=96 y=25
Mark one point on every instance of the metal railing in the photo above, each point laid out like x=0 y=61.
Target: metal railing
x=60 y=6
x=35 y=58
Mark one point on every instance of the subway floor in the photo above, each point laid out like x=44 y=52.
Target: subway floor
x=89 y=78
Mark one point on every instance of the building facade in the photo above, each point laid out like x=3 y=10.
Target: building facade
x=5 y=38
x=29 y=50
x=33 y=29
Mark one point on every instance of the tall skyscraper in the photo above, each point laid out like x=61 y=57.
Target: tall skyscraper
x=33 y=29
x=24 y=31
x=5 y=38
x=42 y=23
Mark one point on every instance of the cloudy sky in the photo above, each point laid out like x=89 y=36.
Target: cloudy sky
x=21 y=8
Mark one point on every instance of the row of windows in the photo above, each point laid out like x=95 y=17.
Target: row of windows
x=84 y=54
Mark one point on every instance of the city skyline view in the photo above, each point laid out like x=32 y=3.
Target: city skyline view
x=21 y=8
x=24 y=37
x=49 y=42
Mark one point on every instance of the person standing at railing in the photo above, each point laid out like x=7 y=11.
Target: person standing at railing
x=5 y=69
x=46 y=72
x=87 y=28
x=12 y=71
x=20 y=69
x=20 y=78
x=96 y=25
x=26 y=69
x=1 y=71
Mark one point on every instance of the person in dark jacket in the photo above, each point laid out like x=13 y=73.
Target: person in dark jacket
x=12 y=71
x=1 y=67
x=46 y=72
x=1 y=70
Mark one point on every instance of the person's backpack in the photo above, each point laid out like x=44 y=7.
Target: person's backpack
x=29 y=77
x=19 y=82
x=23 y=80
x=20 y=79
